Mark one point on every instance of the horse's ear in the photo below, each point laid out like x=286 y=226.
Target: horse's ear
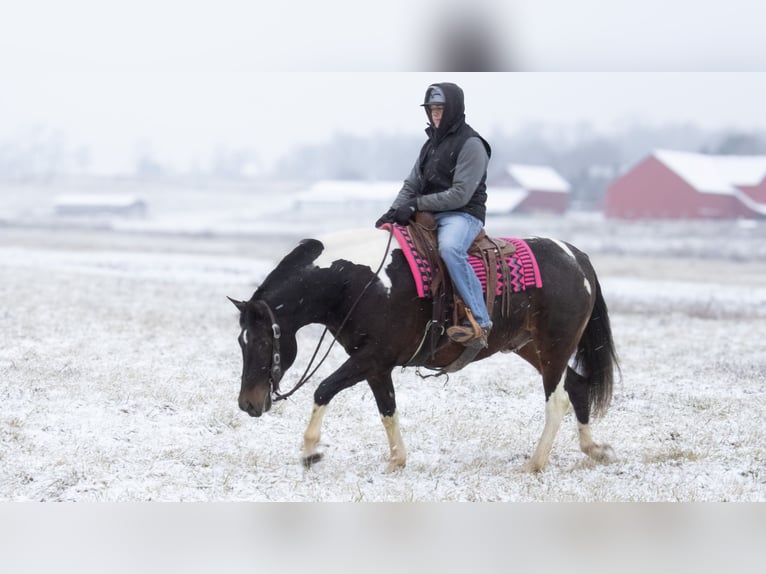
x=238 y=304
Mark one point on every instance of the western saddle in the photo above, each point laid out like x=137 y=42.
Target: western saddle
x=448 y=307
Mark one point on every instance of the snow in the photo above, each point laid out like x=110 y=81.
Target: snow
x=97 y=200
x=538 y=178
x=749 y=202
x=119 y=371
x=503 y=200
x=714 y=174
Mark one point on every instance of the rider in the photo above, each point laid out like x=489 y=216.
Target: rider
x=449 y=179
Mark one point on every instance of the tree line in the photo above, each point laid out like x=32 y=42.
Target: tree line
x=588 y=158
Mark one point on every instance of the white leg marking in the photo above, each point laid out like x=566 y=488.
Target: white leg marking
x=586 y=438
x=599 y=452
x=395 y=442
x=313 y=431
x=555 y=408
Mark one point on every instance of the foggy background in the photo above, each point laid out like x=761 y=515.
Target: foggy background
x=239 y=91
x=300 y=127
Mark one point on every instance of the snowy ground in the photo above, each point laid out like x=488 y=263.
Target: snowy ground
x=119 y=371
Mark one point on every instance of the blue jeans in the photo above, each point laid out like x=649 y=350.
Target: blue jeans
x=456 y=232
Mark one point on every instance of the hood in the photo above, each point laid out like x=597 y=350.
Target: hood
x=454 y=108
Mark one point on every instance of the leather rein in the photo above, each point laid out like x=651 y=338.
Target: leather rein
x=276 y=333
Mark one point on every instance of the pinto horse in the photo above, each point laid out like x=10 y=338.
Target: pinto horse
x=562 y=329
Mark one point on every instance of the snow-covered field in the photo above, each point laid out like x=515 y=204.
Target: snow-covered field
x=119 y=370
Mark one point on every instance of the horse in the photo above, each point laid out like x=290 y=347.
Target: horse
x=562 y=329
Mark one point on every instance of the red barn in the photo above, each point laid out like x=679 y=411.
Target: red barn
x=530 y=189
x=683 y=185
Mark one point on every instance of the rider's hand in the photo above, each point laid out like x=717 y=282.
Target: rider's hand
x=406 y=211
x=387 y=217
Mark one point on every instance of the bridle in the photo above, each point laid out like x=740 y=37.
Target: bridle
x=275 y=371
x=276 y=333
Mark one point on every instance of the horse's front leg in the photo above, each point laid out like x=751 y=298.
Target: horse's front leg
x=383 y=389
x=312 y=435
x=346 y=376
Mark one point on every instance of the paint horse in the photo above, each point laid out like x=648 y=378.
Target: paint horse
x=562 y=329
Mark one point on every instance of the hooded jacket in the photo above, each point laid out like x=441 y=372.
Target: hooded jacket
x=451 y=171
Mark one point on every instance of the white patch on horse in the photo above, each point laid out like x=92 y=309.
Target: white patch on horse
x=564 y=248
x=574 y=366
x=313 y=431
x=395 y=442
x=362 y=246
x=555 y=408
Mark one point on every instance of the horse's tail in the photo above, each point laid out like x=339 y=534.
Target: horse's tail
x=596 y=356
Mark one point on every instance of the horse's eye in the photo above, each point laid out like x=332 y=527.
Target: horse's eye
x=243 y=337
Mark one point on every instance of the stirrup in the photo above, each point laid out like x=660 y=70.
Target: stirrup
x=465 y=334
x=461 y=334
x=472 y=348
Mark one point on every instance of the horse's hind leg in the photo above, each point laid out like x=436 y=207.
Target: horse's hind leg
x=383 y=389
x=556 y=404
x=577 y=387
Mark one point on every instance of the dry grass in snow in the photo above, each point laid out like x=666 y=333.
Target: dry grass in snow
x=119 y=374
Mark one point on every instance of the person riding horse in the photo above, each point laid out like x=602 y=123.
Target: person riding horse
x=449 y=179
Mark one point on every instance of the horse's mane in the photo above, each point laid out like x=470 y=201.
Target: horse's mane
x=302 y=256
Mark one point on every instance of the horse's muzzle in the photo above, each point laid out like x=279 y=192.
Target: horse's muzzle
x=255 y=406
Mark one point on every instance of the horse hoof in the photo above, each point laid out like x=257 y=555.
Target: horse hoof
x=603 y=453
x=393 y=467
x=531 y=468
x=311 y=459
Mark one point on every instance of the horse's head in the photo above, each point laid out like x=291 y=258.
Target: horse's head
x=266 y=355
x=268 y=345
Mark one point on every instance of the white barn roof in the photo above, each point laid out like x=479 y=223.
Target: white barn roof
x=503 y=200
x=538 y=177
x=714 y=173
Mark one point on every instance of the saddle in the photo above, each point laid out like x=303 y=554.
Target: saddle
x=493 y=252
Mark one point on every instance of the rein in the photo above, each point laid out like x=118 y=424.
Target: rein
x=276 y=333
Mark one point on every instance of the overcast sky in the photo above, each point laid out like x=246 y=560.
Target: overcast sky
x=182 y=78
